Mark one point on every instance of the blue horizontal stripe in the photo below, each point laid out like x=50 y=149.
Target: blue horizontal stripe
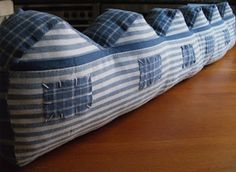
x=204 y=28
x=229 y=17
x=220 y=22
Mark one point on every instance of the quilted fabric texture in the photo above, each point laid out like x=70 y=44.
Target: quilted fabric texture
x=57 y=83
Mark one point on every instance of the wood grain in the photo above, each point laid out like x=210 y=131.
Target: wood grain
x=190 y=128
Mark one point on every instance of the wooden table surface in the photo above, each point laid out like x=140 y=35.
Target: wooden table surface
x=190 y=128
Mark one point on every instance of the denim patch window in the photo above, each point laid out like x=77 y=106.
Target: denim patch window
x=150 y=71
x=210 y=45
x=67 y=98
x=188 y=56
x=226 y=36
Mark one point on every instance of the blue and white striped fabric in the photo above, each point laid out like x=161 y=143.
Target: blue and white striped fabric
x=200 y=26
x=34 y=25
x=229 y=18
x=220 y=29
x=119 y=27
x=62 y=84
x=138 y=31
x=175 y=48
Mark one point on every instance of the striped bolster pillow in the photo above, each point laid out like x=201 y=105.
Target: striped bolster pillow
x=57 y=83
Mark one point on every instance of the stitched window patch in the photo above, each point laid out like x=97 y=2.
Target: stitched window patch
x=67 y=98
x=150 y=71
x=226 y=36
x=210 y=45
x=188 y=56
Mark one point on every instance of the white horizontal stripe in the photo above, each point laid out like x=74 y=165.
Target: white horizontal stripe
x=140 y=20
x=135 y=37
x=61 y=32
x=60 y=42
x=139 y=28
x=178 y=29
x=200 y=24
x=60 y=54
x=173 y=32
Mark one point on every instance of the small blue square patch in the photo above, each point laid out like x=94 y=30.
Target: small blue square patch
x=210 y=45
x=226 y=36
x=67 y=98
x=150 y=71
x=188 y=56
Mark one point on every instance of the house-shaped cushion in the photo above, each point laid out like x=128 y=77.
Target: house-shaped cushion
x=118 y=27
x=198 y=23
x=229 y=18
x=220 y=28
x=62 y=84
x=167 y=22
x=185 y=48
x=49 y=37
x=34 y=36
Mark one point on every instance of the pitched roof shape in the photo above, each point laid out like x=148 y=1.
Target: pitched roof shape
x=225 y=9
x=167 y=22
x=110 y=26
x=194 y=16
x=212 y=13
